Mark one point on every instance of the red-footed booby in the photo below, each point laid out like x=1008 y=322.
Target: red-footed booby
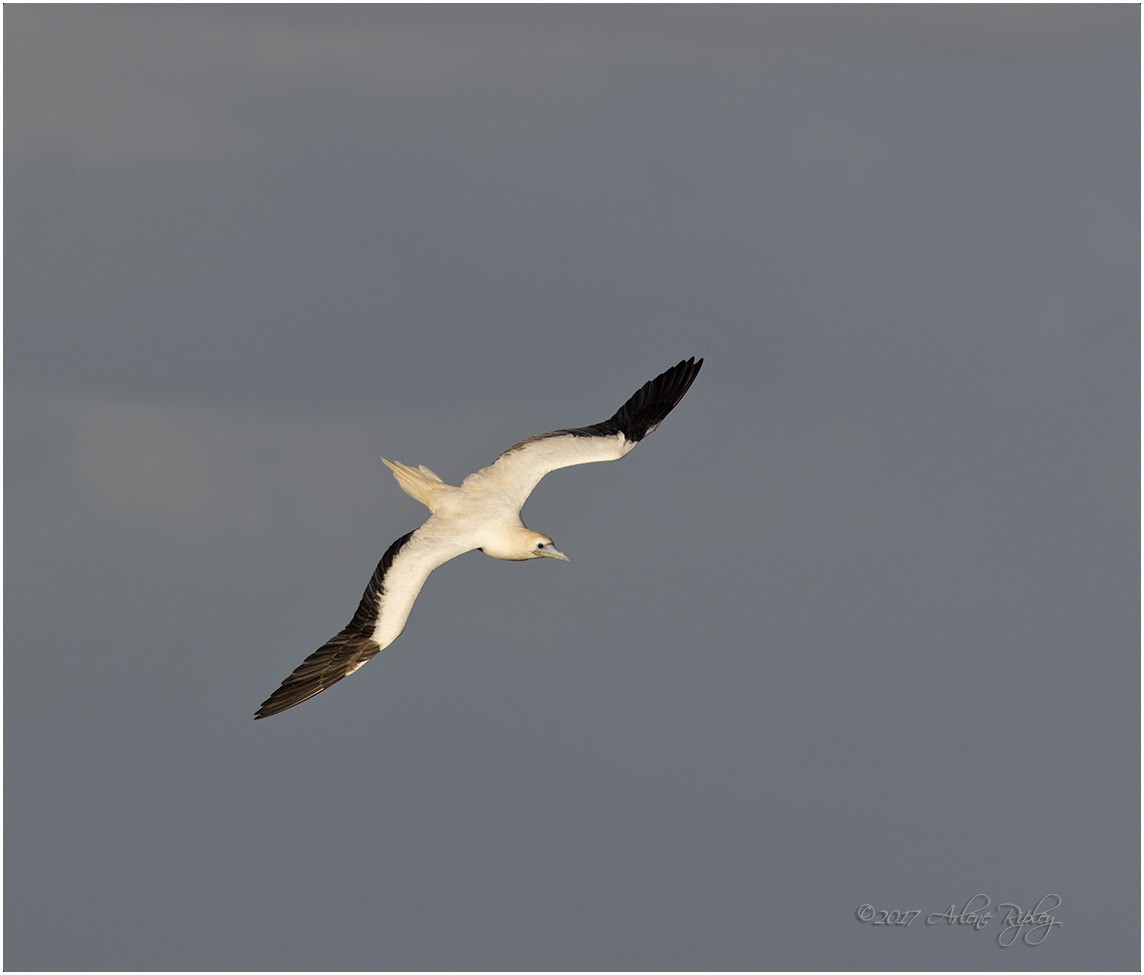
x=483 y=514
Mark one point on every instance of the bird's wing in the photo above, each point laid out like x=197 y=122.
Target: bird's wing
x=519 y=469
x=379 y=620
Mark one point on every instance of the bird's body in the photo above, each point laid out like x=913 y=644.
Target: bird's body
x=482 y=513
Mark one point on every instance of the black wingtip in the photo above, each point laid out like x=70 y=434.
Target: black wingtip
x=335 y=659
x=646 y=409
x=341 y=655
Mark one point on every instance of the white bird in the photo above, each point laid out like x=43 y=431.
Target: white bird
x=483 y=514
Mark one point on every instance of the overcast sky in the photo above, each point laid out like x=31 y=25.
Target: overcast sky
x=857 y=625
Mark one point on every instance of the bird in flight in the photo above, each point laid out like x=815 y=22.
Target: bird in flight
x=483 y=514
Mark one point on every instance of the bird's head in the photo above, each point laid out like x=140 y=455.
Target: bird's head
x=520 y=544
x=542 y=547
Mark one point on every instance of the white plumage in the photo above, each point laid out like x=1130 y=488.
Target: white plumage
x=482 y=513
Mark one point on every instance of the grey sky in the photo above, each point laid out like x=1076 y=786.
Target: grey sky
x=858 y=624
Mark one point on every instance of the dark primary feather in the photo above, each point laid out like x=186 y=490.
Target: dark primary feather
x=343 y=653
x=645 y=409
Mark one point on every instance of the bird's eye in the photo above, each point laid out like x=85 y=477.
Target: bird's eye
x=540 y=544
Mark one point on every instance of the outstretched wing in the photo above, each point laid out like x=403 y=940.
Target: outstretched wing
x=379 y=620
x=519 y=469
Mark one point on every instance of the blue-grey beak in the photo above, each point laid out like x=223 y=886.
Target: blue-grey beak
x=554 y=553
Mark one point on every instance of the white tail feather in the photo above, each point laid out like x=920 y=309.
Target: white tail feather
x=419 y=483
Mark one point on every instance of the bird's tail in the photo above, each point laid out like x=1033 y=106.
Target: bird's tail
x=419 y=483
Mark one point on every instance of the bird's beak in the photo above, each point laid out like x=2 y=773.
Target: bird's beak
x=552 y=553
